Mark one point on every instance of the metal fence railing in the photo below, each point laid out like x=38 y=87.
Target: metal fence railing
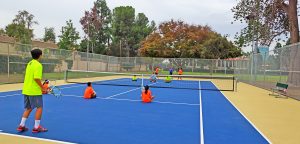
x=266 y=69
x=263 y=69
x=14 y=57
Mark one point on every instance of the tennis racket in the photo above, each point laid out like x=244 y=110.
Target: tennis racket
x=55 y=91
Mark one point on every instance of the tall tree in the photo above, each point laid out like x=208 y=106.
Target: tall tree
x=142 y=28
x=19 y=32
x=95 y=24
x=25 y=18
x=69 y=37
x=122 y=30
x=49 y=35
x=268 y=21
x=128 y=31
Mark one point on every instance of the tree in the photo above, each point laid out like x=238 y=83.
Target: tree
x=19 y=32
x=49 y=35
x=2 y=31
x=268 y=21
x=219 y=47
x=141 y=30
x=95 y=24
x=122 y=29
x=69 y=37
x=24 y=18
x=176 y=39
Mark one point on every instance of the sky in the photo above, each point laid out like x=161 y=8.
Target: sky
x=55 y=13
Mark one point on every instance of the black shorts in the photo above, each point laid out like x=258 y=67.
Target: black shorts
x=156 y=73
x=31 y=102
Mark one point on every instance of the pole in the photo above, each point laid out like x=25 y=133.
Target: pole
x=87 y=50
x=120 y=48
x=8 y=61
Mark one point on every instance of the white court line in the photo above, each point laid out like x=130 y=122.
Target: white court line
x=43 y=139
x=9 y=95
x=128 y=91
x=122 y=93
x=244 y=116
x=131 y=100
x=201 y=116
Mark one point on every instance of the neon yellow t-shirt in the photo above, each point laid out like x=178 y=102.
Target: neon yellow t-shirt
x=134 y=78
x=34 y=70
x=168 y=78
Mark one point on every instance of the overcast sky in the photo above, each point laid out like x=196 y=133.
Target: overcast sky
x=55 y=13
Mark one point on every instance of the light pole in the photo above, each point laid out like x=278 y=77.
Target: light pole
x=87 y=49
x=251 y=19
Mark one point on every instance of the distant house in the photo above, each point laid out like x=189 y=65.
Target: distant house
x=35 y=43
x=42 y=44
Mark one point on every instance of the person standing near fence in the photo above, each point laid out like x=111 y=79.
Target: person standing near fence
x=32 y=91
x=180 y=72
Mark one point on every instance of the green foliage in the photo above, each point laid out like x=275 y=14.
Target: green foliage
x=24 y=18
x=122 y=28
x=19 y=32
x=2 y=31
x=95 y=24
x=267 y=20
x=219 y=47
x=69 y=36
x=128 y=31
x=49 y=34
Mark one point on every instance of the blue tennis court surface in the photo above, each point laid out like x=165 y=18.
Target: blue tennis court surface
x=117 y=116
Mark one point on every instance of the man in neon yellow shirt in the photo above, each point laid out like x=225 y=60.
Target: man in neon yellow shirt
x=32 y=91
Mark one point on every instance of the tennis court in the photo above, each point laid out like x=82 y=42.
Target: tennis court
x=179 y=114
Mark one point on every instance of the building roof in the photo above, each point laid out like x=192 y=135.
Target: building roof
x=35 y=43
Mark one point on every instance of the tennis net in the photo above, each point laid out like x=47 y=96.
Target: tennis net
x=194 y=82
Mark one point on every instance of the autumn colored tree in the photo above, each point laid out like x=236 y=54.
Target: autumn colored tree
x=176 y=39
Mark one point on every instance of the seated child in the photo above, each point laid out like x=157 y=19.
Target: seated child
x=134 y=78
x=153 y=78
x=147 y=95
x=168 y=79
x=46 y=86
x=89 y=92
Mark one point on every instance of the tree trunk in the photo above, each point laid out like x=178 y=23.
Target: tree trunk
x=294 y=74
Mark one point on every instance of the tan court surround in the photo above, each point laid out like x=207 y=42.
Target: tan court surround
x=277 y=118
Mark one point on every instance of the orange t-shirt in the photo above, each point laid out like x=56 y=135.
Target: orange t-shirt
x=156 y=70
x=45 y=86
x=147 y=97
x=180 y=72
x=88 y=93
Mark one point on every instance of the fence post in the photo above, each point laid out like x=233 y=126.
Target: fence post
x=8 y=53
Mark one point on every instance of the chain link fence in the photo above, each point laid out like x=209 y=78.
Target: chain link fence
x=14 y=58
x=266 y=69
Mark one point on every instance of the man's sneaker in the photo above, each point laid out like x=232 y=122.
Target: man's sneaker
x=22 y=129
x=39 y=129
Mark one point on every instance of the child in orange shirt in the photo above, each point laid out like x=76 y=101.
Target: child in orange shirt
x=46 y=87
x=180 y=73
x=89 y=92
x=147 y=95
